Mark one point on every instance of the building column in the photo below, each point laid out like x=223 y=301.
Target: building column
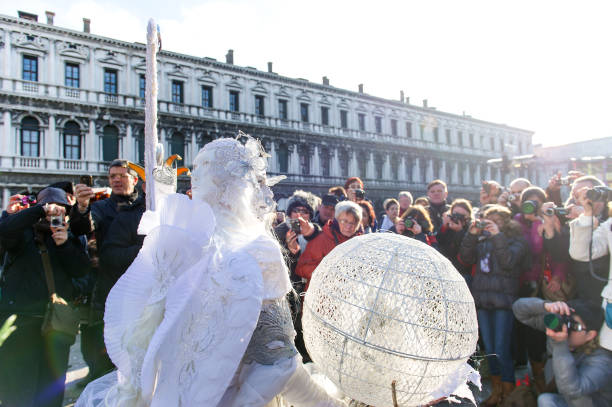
x=455 y=173
x=370 y=170
x=51 y=139
x=272 y=160
x=477 y=175
x=336 y=164
x=315 y=168
x=5 y=143
x=466 y=174
x=353 y=167
x=401 y=169
x=128 y=145
x=6 y=194
x=386 y=172
x=488 y=172
x=294 y=160
x=91 y=143
x=442 y=171
x=429 y=172
x=416 y=170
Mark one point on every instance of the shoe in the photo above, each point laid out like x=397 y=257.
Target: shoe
x=496 y=392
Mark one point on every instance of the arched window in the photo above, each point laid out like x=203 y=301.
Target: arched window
x=177 y=144
x=30 y=137
x=304 y=160
x=72 y=141
x=110 y=143
x=378 y=166
x=343 y=157
x=362 y=164
x=283 y=158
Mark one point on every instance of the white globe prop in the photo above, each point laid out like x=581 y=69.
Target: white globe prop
x=383 y=307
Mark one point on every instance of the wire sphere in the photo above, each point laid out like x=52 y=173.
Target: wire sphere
x=383 y=307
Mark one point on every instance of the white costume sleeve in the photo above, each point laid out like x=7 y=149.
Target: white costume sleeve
x=580 y=237
x=302 y=391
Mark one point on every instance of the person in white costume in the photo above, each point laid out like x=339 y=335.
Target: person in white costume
x=200 y=318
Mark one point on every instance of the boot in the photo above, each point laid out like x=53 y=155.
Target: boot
x=537 y=368
x=507 y=388
x=496 y=392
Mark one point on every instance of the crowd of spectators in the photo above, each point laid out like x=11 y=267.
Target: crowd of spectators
x=538 y=269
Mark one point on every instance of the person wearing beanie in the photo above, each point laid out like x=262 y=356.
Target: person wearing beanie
x=326 y=209
x=33 y=365
x=294 y=235
x=580 y=367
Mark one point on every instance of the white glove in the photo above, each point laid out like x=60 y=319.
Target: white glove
x=302 y=391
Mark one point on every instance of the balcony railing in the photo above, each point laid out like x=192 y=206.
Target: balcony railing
x=130 y=101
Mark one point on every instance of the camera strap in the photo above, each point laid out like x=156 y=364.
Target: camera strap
x=46 y=261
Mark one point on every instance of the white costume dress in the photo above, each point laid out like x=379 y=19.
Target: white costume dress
x=200 y=318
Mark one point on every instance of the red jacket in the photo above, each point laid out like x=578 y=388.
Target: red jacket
x=318 y=248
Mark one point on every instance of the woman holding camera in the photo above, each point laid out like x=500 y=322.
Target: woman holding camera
x=455 y=224
x=415 y=223
x=497 y=248
x=33 y=364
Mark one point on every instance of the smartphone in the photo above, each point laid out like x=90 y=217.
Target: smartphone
x=86 y=180
x=294 y=224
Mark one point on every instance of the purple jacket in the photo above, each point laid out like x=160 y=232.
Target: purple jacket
x=535 y=243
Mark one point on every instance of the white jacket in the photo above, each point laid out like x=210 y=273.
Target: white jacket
x=580 y=237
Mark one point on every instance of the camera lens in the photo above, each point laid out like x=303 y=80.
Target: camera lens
x=529 y=207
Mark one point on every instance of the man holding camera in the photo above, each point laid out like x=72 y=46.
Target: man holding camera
x=512 y=196
x=581 y=369
x=42 y=259
x=436 y=195
x=97 y=217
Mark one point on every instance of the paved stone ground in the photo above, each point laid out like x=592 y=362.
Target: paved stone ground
x=77 y=369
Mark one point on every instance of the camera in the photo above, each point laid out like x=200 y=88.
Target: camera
x=512 y=197
x=558 y=210
x=28 y=200
x=599 y=194
x=480 y=224
x=529 y=207
x=56 y=221
x=294 y=224
x=359 y=194
x=457 y=217
x=556 y=322
x=409 y=222
x=565 y=181
x=86 y=180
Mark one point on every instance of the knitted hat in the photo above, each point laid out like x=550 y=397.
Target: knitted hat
x=52 y=195
x=590 y=312
x=302 y=198
x=330 y=200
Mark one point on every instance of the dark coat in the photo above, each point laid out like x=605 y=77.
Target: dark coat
x=23 y=287
x=449 y=242
x=121 y=246
x=435 y=213
x=504 y=257
x=291 y=259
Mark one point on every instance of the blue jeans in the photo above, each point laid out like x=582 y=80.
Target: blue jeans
x=496 y=332
x=551 y=400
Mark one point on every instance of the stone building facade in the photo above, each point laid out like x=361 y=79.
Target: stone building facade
x=70 y=101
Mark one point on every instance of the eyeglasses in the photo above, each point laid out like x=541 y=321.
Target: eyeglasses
x=303 y=211
x=118 y=176
x=346 y=222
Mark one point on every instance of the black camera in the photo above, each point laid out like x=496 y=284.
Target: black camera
x=558 y=210
x=294 y=224
x=529 y=207
x=86 y=180
x=56 y=221
x=480 y=224
x=359 y=194
x=556 y=322
x=409 y=222
x=457 y=217
x=599 y=194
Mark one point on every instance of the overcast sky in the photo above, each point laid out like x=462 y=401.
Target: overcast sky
x=539 y=65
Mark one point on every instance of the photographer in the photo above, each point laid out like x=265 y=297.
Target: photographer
x=489 y=192
x=415 y=223
x=436 y=195
x=97 y=217
x=326 y=209
x=454 y=227
x=512 y=196
x=405 y=200
x=354 y=189
x=33 y=366
x=496 y=246
x=589 y=246
x=580 y=368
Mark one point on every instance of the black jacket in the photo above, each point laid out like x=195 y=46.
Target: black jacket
x=121 y=246
x=504 y=257
x=435 y=213
x=449 y=242
x=291 y=259
x=23 y=288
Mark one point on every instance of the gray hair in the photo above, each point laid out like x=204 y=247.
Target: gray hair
x=406 y=194
x=349 y=207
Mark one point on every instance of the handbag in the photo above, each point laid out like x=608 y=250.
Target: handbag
x=60 y=316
